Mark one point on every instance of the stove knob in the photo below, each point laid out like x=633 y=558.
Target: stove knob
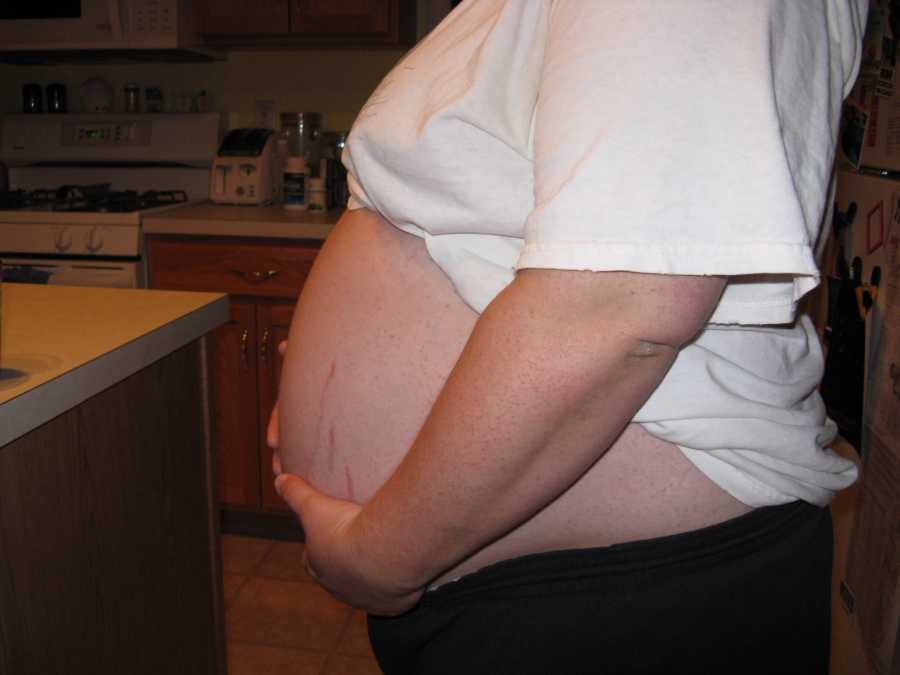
x=94 y=240
x=63 y=239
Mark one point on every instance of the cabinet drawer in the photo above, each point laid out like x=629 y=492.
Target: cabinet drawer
x=248 y=267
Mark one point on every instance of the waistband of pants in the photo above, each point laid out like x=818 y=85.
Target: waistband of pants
x=757 y=531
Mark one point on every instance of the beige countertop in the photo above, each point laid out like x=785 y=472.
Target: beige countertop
x=63 y=344
x=208 y=219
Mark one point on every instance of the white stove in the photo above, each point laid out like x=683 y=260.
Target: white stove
x=80 y=186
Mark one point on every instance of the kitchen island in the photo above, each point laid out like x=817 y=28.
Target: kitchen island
x=109 y=559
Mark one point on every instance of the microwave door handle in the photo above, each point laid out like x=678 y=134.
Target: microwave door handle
x=115 y=18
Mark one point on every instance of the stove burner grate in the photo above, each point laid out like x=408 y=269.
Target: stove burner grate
x=97 y=198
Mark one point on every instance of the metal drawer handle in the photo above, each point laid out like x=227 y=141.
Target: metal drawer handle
x=245 y=334
x=257 y=276
x=264 y=345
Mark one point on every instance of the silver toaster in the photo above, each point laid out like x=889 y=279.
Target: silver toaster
x=245 y=170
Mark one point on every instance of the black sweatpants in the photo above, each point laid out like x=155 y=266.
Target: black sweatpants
x=751 y=595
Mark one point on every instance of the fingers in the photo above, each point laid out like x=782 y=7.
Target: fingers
x=309 y=570
x=273 y=437
x=276 y=465
x=295 y=491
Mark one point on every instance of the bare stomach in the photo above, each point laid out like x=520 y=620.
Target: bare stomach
x=376 y=332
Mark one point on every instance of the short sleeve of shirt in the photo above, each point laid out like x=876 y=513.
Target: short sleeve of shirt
x=689 y=138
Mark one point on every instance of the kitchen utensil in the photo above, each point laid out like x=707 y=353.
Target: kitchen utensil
x=96 y=95
x=245 y=169
x=32 y=101
x=57 y=99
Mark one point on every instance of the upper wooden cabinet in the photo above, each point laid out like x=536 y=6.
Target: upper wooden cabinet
x=309 y=23
x=354 y=17
x=236 y=17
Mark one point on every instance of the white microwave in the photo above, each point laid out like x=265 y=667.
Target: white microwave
x=69 y=25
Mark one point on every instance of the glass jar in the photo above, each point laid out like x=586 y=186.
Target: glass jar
x=300 y=133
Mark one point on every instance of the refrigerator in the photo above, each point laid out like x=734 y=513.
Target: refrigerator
x=861 y=387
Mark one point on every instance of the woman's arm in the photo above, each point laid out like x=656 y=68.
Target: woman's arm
x=555 y=368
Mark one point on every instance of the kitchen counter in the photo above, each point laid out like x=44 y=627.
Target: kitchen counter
x=63 y=344
x=208 y=219
x=109 y=530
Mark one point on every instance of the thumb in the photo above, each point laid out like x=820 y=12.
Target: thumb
x=295 y=491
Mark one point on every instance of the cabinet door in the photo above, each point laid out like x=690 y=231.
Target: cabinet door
x=233 y=364
x=342 y=17
x=237 y=17
x=273 y=319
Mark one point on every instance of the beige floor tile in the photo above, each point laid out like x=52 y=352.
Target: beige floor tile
x=286 y=614
x=232 y=584
x=284 y=561
x=351 y=665
x=240 y=555
x=248 y=659
x=355 y=639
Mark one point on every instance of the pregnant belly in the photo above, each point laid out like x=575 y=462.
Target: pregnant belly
x=376 y=332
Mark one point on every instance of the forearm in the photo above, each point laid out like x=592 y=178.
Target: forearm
x=539 y=393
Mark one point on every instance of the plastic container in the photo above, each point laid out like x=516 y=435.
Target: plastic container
x=315 y=188
x=294 y=183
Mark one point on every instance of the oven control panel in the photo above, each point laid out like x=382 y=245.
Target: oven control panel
x=132 y=133
x=72 y=239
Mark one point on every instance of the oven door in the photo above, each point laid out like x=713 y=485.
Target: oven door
x=108 y=274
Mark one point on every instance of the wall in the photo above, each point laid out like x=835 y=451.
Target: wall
x=336 y=83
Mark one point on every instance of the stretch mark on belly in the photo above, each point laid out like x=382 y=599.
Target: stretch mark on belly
x=349 y=483
x=319 y=435
x=331 y=448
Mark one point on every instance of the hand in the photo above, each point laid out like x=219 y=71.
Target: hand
x=273 y=438
x=335 y=557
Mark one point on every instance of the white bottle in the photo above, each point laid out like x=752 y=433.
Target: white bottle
x=294 y=179
x=316 y=194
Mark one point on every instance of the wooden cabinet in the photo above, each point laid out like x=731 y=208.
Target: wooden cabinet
x=264 y=278
x=234 y=17
x=309 y=23
x=348 y=17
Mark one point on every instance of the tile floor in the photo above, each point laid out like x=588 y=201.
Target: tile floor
x=278 y=622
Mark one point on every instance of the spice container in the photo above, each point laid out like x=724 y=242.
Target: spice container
x=132 y=98
x=153 y=99
x=32 y=99
x=57 y=101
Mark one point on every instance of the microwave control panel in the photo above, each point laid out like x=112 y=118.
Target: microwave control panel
x=152 y=17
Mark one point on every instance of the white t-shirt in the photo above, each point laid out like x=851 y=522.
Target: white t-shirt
x=659 y=136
